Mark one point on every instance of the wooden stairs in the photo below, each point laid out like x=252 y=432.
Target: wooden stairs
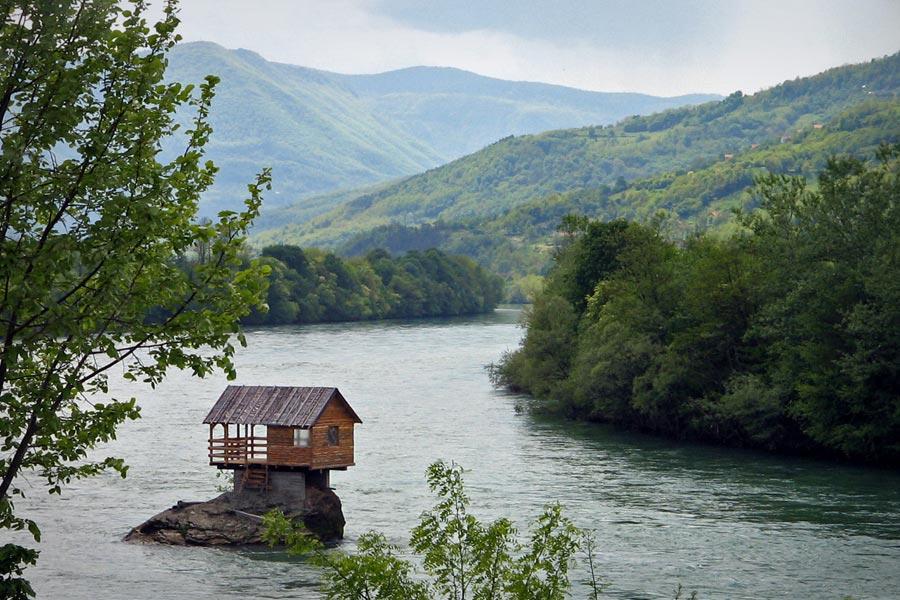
x=256 y=477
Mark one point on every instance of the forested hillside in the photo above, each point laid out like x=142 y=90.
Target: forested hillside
x=322 y=131
x=783 y=336
x=520 y=243
x=693 y=160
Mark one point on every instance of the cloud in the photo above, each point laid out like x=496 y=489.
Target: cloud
x=749 y=46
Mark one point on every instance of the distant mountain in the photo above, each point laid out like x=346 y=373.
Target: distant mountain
x=316 y=134
x=322 y=132
x=519 y=171
x=456 y=112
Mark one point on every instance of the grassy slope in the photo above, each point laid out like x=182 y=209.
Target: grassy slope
x=313 y=206
x=518 y=170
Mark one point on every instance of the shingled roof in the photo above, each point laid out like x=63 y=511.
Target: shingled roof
x=274 y=405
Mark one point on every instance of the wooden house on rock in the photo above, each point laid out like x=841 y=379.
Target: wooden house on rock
x=281 y=438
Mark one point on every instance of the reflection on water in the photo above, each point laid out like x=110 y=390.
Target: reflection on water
x=729 y=523
x=745 y=485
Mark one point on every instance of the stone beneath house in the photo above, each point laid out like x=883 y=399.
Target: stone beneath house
x=235 y=519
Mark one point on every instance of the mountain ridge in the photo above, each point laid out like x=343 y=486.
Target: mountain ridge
x=358 y=81
x=322 y=131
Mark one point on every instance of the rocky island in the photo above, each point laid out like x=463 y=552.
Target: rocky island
x=303 y=434
x=235 y=518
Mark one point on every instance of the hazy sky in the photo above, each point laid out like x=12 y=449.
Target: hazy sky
x=652 y=46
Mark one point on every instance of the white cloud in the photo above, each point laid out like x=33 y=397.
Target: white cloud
x=762 y=44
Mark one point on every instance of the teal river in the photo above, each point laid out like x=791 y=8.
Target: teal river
x=728 y=523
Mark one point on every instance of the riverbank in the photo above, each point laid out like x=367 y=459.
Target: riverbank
x=540 y=409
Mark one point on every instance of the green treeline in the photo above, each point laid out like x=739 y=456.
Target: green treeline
x=311 y=286
x=783 y=336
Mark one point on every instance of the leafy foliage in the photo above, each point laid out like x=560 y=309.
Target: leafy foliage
x=782 y=336
x=13 y=560
x=461 y=556
x=311 y=286
x=92 y=225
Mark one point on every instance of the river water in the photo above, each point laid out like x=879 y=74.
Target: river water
x=728 y=523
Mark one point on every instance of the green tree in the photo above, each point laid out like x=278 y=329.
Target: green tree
x=92 y=228
x=783 y=336
x=832 y=325
x=280 y=306
x=461 y=556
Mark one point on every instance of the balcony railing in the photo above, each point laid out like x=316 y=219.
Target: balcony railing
x=238 y=450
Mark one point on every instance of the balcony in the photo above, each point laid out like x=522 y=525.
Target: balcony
x=236 y=451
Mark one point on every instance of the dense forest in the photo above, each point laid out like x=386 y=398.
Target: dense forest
x=312 y=286
x=784 y=335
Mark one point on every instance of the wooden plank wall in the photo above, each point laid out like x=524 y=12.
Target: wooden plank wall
x=319 y=454
x=281 y=449
x=333 y=456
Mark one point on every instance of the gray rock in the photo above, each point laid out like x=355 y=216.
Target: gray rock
x=234 y=519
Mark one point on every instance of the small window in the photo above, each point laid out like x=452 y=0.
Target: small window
x=334 y=435
x=301 y=438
